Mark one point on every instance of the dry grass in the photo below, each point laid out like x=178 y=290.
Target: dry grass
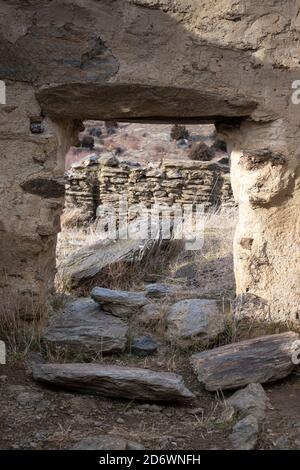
x=20 y=334
x=73 y=218
x=154 y=261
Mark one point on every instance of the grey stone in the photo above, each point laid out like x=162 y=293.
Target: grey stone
x=157 y=290
x=250 y=400
x=283 y=443
x=135 y=446
x=257 y=360
x=117 y=302
x=150 y=314
x=83 y=328
x=29 y=398
x=194 y=320
x=113 y=381
x=245 y=433
x=108 y=159
x=188 y=271
x=102 y=442
x=143 y=345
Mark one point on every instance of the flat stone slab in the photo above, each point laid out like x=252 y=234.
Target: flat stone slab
x=194 y=320
x=114 y=381
x=118 y=302
x=83 y=327
x=258 y=360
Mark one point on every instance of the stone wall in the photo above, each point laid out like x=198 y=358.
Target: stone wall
x=94 y=182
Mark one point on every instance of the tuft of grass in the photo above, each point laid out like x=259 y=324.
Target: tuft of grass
x=21 y=332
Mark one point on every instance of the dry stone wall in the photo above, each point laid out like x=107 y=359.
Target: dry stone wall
x=92 y=183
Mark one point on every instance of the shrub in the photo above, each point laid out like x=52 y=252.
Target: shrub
x=200 y=151
x=179 y=132
x=88 y=142
x=95 y=131
x=111 y=127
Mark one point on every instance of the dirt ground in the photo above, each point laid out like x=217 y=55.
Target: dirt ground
x=34 y=417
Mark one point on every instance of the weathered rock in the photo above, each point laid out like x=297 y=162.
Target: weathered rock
x=117 y=302
x=258 y=360
x=150 y=314
x=194 y=320
x=84 y=328
x=106 y=442
x=245 y=433
x=251 y=400
x=113 y=381
x=188 y=271
x=249 y=405
x=143 y=345
x=91 y=260
x=157 y=290
x=108 y=159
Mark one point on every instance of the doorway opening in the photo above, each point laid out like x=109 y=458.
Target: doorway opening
x=167 y=164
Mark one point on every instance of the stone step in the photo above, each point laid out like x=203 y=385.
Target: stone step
x=118 y=302
x=84 y=328
x=258 y=360
x=114 y=381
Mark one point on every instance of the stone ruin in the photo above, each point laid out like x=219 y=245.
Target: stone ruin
x=95 y=182
x=63 y=63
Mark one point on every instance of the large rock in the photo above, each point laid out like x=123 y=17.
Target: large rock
x=194 y=320
x=250 y=400
x=258 y=360
x=88 y=261
x=249 y=406
x=245 y=433
x=114 y=381
x=118 y=302
x=83 y=327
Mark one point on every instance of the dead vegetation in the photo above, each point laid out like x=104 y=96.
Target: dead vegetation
x=20 y=332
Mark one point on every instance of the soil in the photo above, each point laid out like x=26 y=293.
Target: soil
x=33 y=417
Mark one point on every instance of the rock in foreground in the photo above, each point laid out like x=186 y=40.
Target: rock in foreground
x=258 y=360
x=250 y=400
x=83 y=327
x=194 y=320
x=249 y=405
x=118 y=302
x=114 y=381
x=245 y=433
